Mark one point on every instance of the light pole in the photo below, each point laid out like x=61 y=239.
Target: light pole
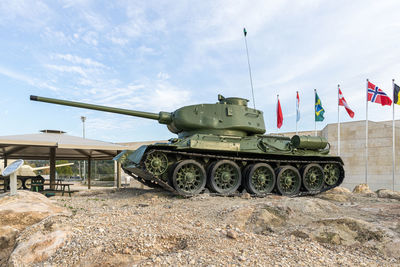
x=83 y=119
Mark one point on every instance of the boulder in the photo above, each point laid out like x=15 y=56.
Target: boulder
x=38 y=247
x=19 y=212
x=385 y=193
x=363 y=189
x=345 y=231
x=239 y=217
x=8 y=235
x=338 y=190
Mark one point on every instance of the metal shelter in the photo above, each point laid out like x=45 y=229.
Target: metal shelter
x=55 y=145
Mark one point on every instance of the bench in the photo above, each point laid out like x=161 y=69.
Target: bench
x=64 y=188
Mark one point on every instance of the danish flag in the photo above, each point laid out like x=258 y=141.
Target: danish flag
x=342 y=102
x=375 y=94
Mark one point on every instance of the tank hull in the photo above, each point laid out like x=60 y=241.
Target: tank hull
x=261 y=165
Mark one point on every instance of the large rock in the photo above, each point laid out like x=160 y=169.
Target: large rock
x=19 y=212
x=38 y=247
x=363 y=189
x=384 y=193
x=338 y=194
x=8 y=235
x=345 y=231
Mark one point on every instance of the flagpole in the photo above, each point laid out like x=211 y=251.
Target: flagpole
x=315 y=119
x=248 y=61
x=394 y=143
x=297 y=111
x=366 y=137
x=338 y=121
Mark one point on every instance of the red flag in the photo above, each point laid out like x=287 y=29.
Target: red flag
x=342 y=102
x=279 y=118
x=375 y=94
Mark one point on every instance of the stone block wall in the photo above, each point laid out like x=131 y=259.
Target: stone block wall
x=352 y=151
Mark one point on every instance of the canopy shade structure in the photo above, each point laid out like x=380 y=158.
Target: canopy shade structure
x=36 y=147
x=56 y=145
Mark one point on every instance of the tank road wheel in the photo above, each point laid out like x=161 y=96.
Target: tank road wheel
x=28 y=183
x=313 y=177
x=288 y=181
x=156 y=163
x=332 y=173
x=20 y=184
x=260 y=179
x=2 y=184
x=224 y=177
x=189 y=177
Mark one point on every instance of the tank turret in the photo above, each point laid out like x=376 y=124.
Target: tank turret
x=229 y=116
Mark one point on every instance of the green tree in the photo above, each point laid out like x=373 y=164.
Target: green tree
x=64 y=170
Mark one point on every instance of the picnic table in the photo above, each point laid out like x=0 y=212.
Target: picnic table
x=59 y=186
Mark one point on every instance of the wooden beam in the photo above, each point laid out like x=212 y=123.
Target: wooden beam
x=83 y=152
x=14 y=150
x=89 y=171
x=52 y=167
x=106 y=152
x=119 y=174
x=5 y=162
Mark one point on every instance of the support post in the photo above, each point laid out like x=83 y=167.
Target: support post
x=366 y=136
x=89 y=175
x=118 y=175
x=115 y=174
x=13 y=184
x=52 y=167
x=5 y=162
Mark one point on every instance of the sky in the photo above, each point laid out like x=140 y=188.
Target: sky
x=161 y=55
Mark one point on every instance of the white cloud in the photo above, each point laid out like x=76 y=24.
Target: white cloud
x=24 y=78
x=119 y=41
x=163 y=76
x=91 y=38
x=70 y=69
x=79 y=60
x=95 y=21
x=28 y=13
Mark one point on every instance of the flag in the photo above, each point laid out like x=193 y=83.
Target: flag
x=297 y=106
x=342 y=102
x=376 y=95
x=244 y=31
x=319 y=110
x=396 y=94
x=279 y=115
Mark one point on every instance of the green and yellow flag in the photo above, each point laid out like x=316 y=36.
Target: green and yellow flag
x=396 y=94
x=319 y=110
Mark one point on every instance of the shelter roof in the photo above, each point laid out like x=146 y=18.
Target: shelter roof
x=36 y=146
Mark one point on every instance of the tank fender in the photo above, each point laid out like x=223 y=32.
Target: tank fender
x=137 y=155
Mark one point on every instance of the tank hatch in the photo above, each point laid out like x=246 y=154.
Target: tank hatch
x=233 y=100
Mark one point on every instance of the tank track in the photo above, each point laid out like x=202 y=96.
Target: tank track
x=152 y=181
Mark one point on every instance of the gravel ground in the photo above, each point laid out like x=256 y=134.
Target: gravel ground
x=140 y=227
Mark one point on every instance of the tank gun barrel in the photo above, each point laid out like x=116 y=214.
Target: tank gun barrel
x=162 y=117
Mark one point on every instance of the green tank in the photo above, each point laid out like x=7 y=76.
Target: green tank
x=223 y=147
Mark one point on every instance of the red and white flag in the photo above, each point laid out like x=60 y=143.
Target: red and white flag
x=342 y=102
x=279 y=115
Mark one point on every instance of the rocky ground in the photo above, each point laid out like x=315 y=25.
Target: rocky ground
x=130 y=227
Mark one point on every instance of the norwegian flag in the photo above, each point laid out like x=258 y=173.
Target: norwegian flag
x=342 y=102
x=376 y=95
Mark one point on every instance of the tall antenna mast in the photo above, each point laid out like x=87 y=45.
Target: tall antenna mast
x=248 y=61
